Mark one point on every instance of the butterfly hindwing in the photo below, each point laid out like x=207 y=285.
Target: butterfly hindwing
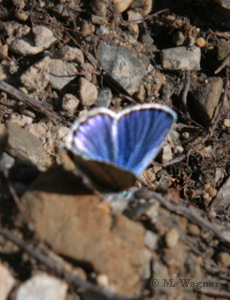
x=104 y=176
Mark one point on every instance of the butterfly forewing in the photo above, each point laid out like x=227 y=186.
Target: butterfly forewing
x=93 y=139
x=140 y=133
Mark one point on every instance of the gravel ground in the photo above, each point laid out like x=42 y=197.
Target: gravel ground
x=168 y=236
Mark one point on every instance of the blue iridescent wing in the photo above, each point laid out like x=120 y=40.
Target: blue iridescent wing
x=91 y=146
x=91 y=136
x=139 y=133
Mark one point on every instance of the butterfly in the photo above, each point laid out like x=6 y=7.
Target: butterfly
x=113 y=149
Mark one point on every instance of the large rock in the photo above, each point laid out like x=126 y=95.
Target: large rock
x=68 y=218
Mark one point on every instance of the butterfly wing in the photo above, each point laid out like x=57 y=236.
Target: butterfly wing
x=91 y=137
x=105 y=177
x=140 y=132
x=91 y=146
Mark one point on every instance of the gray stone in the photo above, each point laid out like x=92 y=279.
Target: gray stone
x=104 y=98
x=65 y=72
x=25 y=146
x=180 y=58
x=122 y=65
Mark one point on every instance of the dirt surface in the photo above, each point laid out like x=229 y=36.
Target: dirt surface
x=168 y=236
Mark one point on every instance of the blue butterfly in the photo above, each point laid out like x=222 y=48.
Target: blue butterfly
x=113 y=149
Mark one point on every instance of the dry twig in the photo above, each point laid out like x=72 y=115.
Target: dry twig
x=187 y=212
x=42 y=107
x=75 y=281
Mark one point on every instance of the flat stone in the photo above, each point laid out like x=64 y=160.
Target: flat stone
x=68 y=217
x=180 y=58
x=42 y=286
x=24 y=145
x=122 y=65
x=7 y=282
x=87 y=92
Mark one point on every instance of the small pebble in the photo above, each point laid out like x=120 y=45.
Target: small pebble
x=87 y=92
x=194 y=229
x=166 y=154
x=122 y=5
x=226 y=122
x=102 y=280
x=185 y=135
x=6 y=162
x=104 y=98
x=22 y=15
x=178 y=38
x=141 y=94
x=70 y=103
x=224 y=259
x=151 y=240
x=62 y=132
x=99 y=8
x=200 y=42
x=178 y=149
x=180 y=58
x=87 y=29
x=172 y=237
x=68 y=53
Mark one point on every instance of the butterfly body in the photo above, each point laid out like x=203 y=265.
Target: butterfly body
x=112 y=149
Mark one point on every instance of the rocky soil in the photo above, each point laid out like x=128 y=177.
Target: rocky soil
x=165 y=239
